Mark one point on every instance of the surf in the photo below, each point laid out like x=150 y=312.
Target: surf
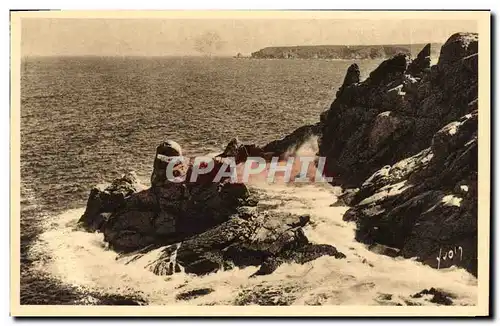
x=82 y=259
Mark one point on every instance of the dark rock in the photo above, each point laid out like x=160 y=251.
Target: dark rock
x=193 y=294
x=384 y=296
x=410 y=86
x=292 y=142
x=107 y=198
x=268 y=266
x=303 y=220
x=393 y=114
x=261 y=240
x=120 y=300
x=438 y=296
x=351 y=77
x=406 y=138
x=131 y=218
x=389 y=70
x=422 y=63
x=232 y=148
x=346 y=198
x=457 y=47
x=164 y=215
x=426 y=205
x=384 y=125
x=441 y=299
x=241 y=152
x=198 y=226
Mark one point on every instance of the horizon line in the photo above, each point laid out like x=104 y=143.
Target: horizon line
x=222 y=55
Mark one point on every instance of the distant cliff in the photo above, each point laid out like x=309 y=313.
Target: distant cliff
x=355 y=52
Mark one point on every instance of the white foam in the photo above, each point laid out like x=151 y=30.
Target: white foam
x=81 y=258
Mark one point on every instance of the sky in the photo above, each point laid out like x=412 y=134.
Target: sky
x=163 y=37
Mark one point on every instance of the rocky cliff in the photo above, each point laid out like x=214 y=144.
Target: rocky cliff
x=344 y=52
x=395 y=112
x=405 y=141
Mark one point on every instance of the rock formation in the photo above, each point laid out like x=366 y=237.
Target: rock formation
x=249 y=238
x=405 y=142
x=241 y=152
x=426 y=205
x=197 y=226
x=394 y=113
x=421 y=63
x=292 y=142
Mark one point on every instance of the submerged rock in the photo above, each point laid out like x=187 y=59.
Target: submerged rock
x=389 y=70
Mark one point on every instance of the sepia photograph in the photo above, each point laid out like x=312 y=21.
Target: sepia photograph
x=250 y=163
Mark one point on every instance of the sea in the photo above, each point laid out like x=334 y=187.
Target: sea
x=87 y=120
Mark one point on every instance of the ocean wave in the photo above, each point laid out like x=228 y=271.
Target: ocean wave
x=364 y=278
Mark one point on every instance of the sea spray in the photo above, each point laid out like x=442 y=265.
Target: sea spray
x=80 y=258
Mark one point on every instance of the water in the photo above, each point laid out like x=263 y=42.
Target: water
x=86 y=120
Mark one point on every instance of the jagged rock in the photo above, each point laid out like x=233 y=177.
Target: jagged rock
x=292 y=142
x=163 y=215
x=383 y=127
x=196 y=225
x=104 y=199
x=415 y=174
x=259 y=240
x=357 y=137
x=346 y=198
x=457 y=47
x=241 y=152
x=390 y=70
x=132 y=218
x=421 y=63
x=426 y=205
x=232 y=148
x=351 y=77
